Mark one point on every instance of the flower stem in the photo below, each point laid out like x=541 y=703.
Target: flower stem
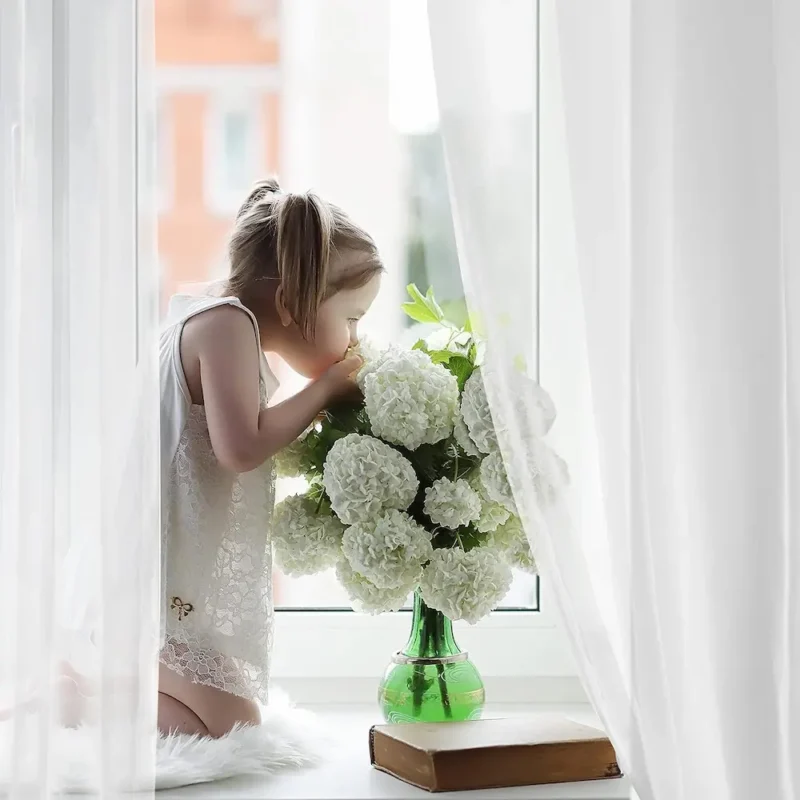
x=440 y=671
x=448 y=711
x=419 y=670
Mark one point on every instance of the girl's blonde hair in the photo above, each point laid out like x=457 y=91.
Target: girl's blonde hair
x=291 y=238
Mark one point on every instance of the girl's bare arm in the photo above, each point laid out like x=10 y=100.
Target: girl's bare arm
x=243 y=435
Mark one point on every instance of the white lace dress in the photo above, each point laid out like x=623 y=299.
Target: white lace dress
x=216 y=552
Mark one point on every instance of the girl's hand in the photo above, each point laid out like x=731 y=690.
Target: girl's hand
x=339 y=380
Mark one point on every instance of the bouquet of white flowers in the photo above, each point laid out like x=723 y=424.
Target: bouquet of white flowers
x=408 y=491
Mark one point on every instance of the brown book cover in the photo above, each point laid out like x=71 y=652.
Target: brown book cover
x=492 y=753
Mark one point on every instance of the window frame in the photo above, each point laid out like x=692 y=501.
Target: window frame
x=523 y=656
x=339 y=656
x=163 y=138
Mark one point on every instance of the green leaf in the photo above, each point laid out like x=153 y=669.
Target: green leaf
x=419 y=313
x=315 y=491
x=422 y=308
x=420 y=344
x=470 y=538
x=441 y=356
x=462 y=368
x=430 y=301
x=415 y=294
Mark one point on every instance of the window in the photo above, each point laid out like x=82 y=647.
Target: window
x=354 y=117
x=237 y=149
x=235 y=144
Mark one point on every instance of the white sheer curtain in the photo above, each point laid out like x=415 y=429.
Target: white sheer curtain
x=669 y=288
x=78 y=400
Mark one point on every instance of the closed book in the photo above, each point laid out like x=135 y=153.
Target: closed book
x=493 y=753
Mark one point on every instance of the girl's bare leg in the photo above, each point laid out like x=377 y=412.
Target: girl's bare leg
x=175 y=717
x=74 y=695
x=216 y=710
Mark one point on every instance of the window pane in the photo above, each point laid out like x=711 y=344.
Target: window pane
x=237 y=166
x=344 y=97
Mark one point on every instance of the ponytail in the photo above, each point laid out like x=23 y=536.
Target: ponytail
x=304 y=243
x=261 y=191
x=291 y=238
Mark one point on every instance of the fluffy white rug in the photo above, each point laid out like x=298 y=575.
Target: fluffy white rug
x=287 y=738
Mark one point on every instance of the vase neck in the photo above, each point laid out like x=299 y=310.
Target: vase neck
x=431 y=633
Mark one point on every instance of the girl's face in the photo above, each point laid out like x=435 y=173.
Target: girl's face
x=336 y=331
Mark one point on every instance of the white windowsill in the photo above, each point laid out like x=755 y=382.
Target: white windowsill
x=347 y=773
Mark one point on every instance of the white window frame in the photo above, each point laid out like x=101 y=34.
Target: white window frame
x=165 y=153
x=338 y=656
x=220 y=198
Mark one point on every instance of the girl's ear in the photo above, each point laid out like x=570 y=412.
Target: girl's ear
x=280 y=306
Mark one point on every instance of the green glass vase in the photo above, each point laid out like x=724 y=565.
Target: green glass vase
x=431 y=679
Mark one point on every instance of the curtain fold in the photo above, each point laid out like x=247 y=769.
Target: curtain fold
x=669 y=208
x=79 y=502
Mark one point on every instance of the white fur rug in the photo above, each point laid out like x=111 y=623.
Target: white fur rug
x=287 y=738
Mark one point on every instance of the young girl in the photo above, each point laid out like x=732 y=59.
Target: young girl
x=302 y=275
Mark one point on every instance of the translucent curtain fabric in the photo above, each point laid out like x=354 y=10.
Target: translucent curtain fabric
x=669 y=216
x=79 y=519
x=502 y=177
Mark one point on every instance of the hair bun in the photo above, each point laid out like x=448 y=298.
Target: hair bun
x=260 y=191
x=268 y=186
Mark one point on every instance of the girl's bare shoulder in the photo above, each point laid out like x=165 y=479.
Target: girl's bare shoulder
x=226 y=324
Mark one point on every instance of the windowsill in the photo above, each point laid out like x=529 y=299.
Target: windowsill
x=347 y=772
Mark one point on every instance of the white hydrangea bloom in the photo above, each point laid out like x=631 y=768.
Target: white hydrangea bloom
x=288 y=460
x=476 y=414
x=548 y=472
x=410 y=400
x=461 y=434
x=522 y=559
x=363 y=476
x=510 y=540
x=540 y=410
x=388 y=550
x=452 y=504
x=305 y=541
x=491 y=517
x=465 y=585
x=492 y=514
x=366 y=597
x=373 y=356
x=495 y=481
x=530 y=406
